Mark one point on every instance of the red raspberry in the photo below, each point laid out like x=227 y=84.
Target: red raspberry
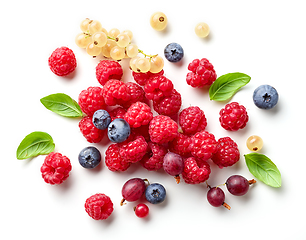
x=143 y=130
x=158 y=87
x=117 y=112
x=89 y=131
x=91 y=100
x=180 y=145
x=142 y=78
x=55 y=168
x=113 y=160
x=136 y=93
x=162 y=129
x=227 y=153
x=114 y=92
x=99 y=206
x=233 y=116
x=62 y=61
x=203 y=145
x=154 y=158
x=192 y=120
x=170 y=105
x=138 y=114
x=134 y=150
x=202 y=73
x=108 y=69
x=195 y=171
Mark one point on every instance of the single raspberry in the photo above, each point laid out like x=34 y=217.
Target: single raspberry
x=162 y=129
x=192 y=120
x=117 y=112
x=62 y=61
x=108 y=69
x=89 y=131
x=180 y=145
x=134 y=150
x=203 y=145
x=158 y=87
x=114 y=92
x=169 y=105
x=233 y=116
x=138 y=114
x=154 y=158
x=55 y=168
x=136 y=93
x=202 y=73
x=114 y=161
x=227 y=153
x=99 y=206
x=91 y=100
x=195 y=171
x=142 y=78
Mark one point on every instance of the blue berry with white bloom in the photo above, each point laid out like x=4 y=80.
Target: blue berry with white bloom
x=155 y=193
x=174 y=52
x=265 y=97
x=101 y=119
x=118 y=130
x=89 y=157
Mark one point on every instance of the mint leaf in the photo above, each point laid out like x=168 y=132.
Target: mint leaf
x=62 y=104
x=263 y=169
x=34 y=144
x=227 y=85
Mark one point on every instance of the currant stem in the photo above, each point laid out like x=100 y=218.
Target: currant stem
x=122 y=202
x=177 y=179
x=226 y=206
x=147 y=55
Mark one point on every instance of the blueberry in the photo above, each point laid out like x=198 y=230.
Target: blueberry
x=101 y=119
x=155 y=193
x=173 y=52
x=118 y=130
x=265 y=97
x=89 y=157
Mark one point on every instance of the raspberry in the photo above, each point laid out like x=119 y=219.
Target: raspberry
x=142 y=78
x=202 y=73
x=195 y=171
x=158 y=87
x=91 y=100
x=99 y=206
x=233 y=116
x=133 y=151
x=62 y=61
x=180 y=145
x=136 y=93
x=143 y=130
x=154 y=158
x=162 y=129
x=192 y=120
x=114 y=92
x=55 y=168
x=227 y=153
x=170 y=105
x=203 y=145
x=113 y=160
x=108 y=69
x=138 y=114
x=89 y=131
x=117 y=112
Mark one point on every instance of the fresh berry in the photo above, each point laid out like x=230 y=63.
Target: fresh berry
x=91 y=100
x=238 y=185
x=89 y=131
x=138 y=114
x=203 y=145
x=254 y=143
x=173 y=165
x=162 y=129
x=136 y=93
x=192 y=120
x=158 y=21
x=114 y=161
x=101 y=119
x=133 y=151
x=142 y=78
x=143 y=130
x=195 y=171
x=158 y=87
x=174 y=52
x=115 y=92
x=55 y=168
x=233 y=116
x=118 y=130
x=108 y=69
x=169 y=105
x=62 y=61
x=141 y=210
x=216 y=197
x=153 y=160
x=202 y=73
x=117 y=112
x=99 y=206
x=180 y=145
x=227 y=153
x=265 y=97
x=155 y=193
x=89 y=157
x=133 y=189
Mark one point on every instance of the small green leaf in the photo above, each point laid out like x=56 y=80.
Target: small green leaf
x=34 y=144
x=227 y=85
x=62 y=104
x=263 y=169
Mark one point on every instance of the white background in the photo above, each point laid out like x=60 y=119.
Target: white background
x=264 y=39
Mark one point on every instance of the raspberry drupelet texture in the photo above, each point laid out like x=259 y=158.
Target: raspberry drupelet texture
x=158 y=87
x=233 y=116
x=115 y=92
x=134 y=150
x=180 y=145
x=142 y=78
x=55 y=168
x=99 y=206
x=89 y=131
x=227 y=153
x=138 y=114
x=62 y=61
x=136 y=93
x=108 y=69
x=169 y=105
x=114 y=161
x=195 y=171
x=202 y=73
x=154 y=158
x=192 y=120
x=162 y=129
x=91 y=100
x=117 y=112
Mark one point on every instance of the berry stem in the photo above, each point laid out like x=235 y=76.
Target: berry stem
x=177 y=179
x=252 y=181
x=122 y=202
x=226 y=206
x=147 y=55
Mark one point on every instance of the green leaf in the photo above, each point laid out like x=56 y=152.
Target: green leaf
x=263 y=169
x=62 y=104
x=227 y=85
x=34 y=144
